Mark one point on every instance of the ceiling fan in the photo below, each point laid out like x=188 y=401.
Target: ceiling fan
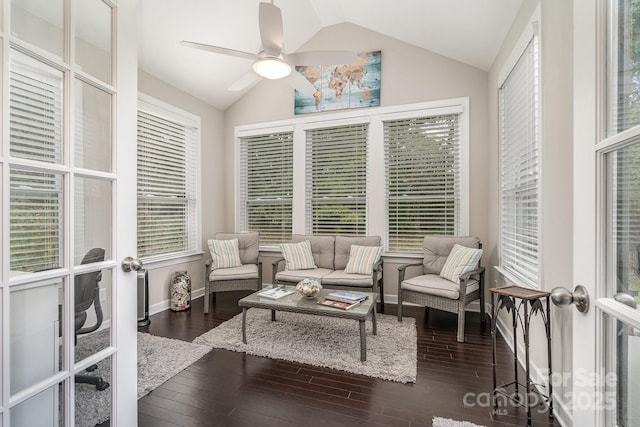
x=271 y=62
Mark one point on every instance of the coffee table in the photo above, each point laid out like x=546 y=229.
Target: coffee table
x=296 y=303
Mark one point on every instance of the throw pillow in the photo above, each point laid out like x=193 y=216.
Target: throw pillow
x=460 y=260
x=362 y=259
x=298 y=256
x=224 y=253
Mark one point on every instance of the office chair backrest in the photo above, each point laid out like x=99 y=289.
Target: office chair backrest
x=86 y=285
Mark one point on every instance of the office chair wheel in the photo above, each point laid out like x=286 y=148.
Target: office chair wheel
x=102 y=385
x=91 y=368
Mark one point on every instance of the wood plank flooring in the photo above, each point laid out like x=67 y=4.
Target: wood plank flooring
x=225 y=388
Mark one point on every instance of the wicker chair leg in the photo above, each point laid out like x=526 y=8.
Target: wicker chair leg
x=399 y=305
x=461 y=322
x=206 y=297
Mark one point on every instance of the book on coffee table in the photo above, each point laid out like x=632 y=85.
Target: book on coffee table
x=346 y=296
x=339 y=304
x=275 y=293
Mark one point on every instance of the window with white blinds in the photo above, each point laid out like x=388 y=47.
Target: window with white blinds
x=520 y=166
x=266 y=186
x=35 y=133
x=336 y=180
x=168 y=217
x=422 y=170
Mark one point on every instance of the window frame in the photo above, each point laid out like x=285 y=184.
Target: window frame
x=376 y=183
x=162 y=109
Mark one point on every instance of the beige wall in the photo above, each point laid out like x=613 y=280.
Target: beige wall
x=409 y=75
x=213 y=190
x=556 y=248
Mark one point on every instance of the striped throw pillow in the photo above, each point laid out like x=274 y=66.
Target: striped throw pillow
x=362 y=259
x=224 y=253
x=460 y=260
x=298 y=256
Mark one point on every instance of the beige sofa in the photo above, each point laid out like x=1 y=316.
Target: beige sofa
x=331 y=254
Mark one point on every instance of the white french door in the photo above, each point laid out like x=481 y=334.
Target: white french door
x=606 y=342
x=68 y=322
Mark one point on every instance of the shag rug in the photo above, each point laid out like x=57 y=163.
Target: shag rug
x=158 y=360
x=446 y=422
x=323 y=341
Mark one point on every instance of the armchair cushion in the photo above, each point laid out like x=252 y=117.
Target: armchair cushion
x=362 y=259
x=224 y=253
x=432 y=284
x=243 y=272
x=248 y=245
x=437 y=249
x=460 y=260
x=298 y=256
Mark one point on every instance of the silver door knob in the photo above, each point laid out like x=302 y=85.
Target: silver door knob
x=131 y=264
x=563 y=297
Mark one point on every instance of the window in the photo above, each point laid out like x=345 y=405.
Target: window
x=168 y=171
x=266 y=186
x=337 y=180
x=520 y=166
x=422 y=157
x=397 y=172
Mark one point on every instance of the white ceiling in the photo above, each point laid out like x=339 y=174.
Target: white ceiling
x=470 y=31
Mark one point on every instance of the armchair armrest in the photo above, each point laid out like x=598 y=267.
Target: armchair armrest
x=478 y=272
x=402 y=268
x=468 y=274
x=275 y=265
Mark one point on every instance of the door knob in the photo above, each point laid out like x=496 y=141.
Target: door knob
x=562 y=297
x=131 y=264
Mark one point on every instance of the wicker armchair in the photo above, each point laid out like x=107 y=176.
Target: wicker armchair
x=248 y=276
x=433 y=291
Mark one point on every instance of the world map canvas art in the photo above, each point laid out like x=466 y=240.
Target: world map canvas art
x=342 y=86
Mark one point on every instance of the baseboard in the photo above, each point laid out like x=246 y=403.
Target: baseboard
x=165 y=304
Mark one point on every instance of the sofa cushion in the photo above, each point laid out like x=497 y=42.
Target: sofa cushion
x=298 y=256
x=437 y=249
x=433 y=284
x=224 y=253
x=362 y=259
x=343 y=247
x=249 y=271
x=461 y=260
x=294 y=276
x=248 y=245
x=340 y=278
x=322 y=248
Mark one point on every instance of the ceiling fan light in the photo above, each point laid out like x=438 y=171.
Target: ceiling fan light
x=272 y=68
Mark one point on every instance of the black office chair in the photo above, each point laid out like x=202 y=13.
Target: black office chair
x=87 y=294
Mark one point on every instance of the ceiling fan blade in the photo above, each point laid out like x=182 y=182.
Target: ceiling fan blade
x=244 y=81
x=222 y=50
x=270 y=19
x=322 y=57
x=301 y=84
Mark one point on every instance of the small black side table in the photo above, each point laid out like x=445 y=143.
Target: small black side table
x=522 y=303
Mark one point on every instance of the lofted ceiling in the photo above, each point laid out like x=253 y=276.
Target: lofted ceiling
x=470 y=31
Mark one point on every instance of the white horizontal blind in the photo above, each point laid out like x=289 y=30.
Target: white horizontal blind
x=167 y=186
x=520 y=166
x=336 y=180
x=266 y=186
x=35 y=103
x=422 y=170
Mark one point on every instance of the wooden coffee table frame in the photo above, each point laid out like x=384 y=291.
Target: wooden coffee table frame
x=296 y=303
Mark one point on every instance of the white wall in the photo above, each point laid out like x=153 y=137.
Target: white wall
x=409 y=74
x=556 y=248
x=213 y=185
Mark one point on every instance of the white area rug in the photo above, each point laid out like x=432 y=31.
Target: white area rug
x=158 y=360
x=446 y=422
x=323 y=341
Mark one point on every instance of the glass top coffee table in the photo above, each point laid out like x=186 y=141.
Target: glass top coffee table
x=296 y=303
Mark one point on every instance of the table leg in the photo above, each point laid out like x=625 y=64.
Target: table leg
x=515 y=346
x=363 y=341
x=525 y=334
x=273 y=315
x=374 y=321
x=548 y=326
x=244 y=325
x=494 y=314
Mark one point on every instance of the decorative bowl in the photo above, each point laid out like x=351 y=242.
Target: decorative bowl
x=308 y=288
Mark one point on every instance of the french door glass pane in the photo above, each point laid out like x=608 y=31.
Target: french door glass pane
x=36 y=220
x=93 y=38
x=93 y=217
x=39 y=22
x=93 y=128
x=43 y=409
x=93 y=311
x=35 y=102
x=623 y=221
x=36 y=333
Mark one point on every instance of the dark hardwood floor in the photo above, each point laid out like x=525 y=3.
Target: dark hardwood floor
x=225 y=388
